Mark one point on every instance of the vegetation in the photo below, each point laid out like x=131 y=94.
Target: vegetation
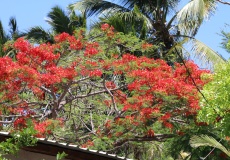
x=60 y=22
x=126 y=87
x=215 y=108
x=159 y=22
x=14 y=33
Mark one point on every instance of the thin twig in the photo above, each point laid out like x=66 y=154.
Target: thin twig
x=211 y=151
x=228 y=3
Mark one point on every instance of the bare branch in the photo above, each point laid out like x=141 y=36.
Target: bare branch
x=95 y=93
x=13 y=116
x=86 y=125
x=64 y=93
x=156 y=137
x=45 y=89
x=83 y=79
x=223 y=2
x=91 y=121
x=112 y=97
x=6 y=122
x=179 y=121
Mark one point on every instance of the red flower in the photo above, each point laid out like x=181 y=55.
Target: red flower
x=146 y=45
x=108 y=124
x=168 y=125
x=150 y=133
x=88 y=144
x=165 y=117
x=110 y=84
x=104 y=26
x=20 y=123
x=95 y=73
x=61 y=37
x=22 y=45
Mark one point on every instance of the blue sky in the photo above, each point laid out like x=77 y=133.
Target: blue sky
x=32 y=13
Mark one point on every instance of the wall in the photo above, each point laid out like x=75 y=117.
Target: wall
x=26 y=155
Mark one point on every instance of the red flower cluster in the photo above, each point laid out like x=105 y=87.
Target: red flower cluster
x=91 y=49
x=20 y=123
x=109 y=30
x=43 y=128
x=150 y=133
x=151 y=82
x=88 y=144
x=105 y=26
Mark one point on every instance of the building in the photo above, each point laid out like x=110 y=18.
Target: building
x=48 y=149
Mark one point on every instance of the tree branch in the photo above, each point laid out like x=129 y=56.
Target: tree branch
x=95 y=93
x=66 y=88
x=220 y=1
x=156 y=137
x=112 y=97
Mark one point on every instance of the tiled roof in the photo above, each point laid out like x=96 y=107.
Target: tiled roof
x=46 y=146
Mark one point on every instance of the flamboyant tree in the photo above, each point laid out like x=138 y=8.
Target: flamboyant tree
x=102 y=97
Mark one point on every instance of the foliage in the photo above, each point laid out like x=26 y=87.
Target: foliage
x=204 y=140
x=60 y=156
x=187 y=151
x=59 y=21
x=13 y=34
x=100 y=95
x=225 y=40
x=215 y=107
x=19 y=139
x=159 y=22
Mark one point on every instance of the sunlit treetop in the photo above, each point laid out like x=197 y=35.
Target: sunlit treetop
x=215 y=107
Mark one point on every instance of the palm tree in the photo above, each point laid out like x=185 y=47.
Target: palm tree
x=59 y=22
x=3 y=39
x=149 y=20
x=13 y=34
x=225 y=40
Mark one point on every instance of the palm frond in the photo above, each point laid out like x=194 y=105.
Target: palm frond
x=133 y=21
x=13 y=25
x=191 y=16
x=225 y=40
x=3 y=36
x=137 y=15
x=77 y=20
x=96 y=7
x=205 y=53
x=204 y=140
x=14 y=32
x=38 y=34
x=59 y=20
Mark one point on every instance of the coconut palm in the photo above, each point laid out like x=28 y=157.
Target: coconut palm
x=13 y=34
x=150 y=20
x=60 y=22
x=3 y=38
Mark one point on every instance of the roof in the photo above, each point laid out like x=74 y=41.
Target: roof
x=50 y=147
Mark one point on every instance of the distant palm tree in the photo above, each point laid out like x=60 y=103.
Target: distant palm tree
x=225 y=40
x=13 y=34
x=60 y=22
x=3 y=38
x=148 y=19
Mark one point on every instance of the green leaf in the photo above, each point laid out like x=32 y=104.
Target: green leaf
x=204 y=140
